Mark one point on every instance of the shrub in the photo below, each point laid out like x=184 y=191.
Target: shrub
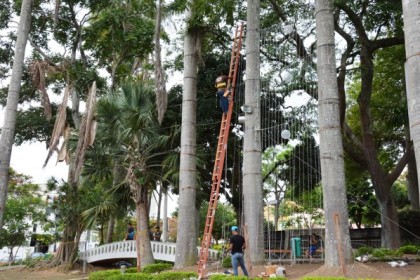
x=409 y=249
x=332 y=278
x=156 y=267
x=131 y=270
x=103 y=274
x=323 y=278
x=218 y=247
x=170 y=275
x=385 y=254
x=132 y=276
x=410 y=220
x=227 y=262
x=224 y=277
x=364 y=250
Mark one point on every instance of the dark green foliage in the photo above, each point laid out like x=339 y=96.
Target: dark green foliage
x=409 y=224
x=409 y=249
x=175 y=275
x=399 y=193
x=156 y=267
x=385 y=254
x=131 y=270
x=363 y=251
x=224 y=219
x=103 y=275
x=362 y=204
x=132 y=276
x=223 y=277
x=31 y=126
x=227 y=262
x=328 y=278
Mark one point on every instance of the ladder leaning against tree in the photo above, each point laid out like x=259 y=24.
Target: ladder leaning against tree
x=221 y=152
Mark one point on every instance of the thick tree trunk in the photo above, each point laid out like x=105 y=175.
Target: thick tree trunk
x=68 y=249
x=411 y=12
x=186 y=243
x=252 y=178
x=337 y=236
x=390 y=235
x=390 y=230
x=144 y=248
x=9 y=123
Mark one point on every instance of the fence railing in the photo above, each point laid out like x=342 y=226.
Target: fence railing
x=127 y=249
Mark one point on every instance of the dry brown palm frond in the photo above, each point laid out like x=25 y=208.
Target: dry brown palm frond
x=84 y=134
x=92 y=132
x=38 y=72
x=63 y=154
x=59 y=126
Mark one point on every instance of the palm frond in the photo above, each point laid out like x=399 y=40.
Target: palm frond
x=84 y=135
x=59 y=126
x=38 y=73
x=105 y=209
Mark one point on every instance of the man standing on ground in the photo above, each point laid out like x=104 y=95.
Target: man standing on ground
x=237 y=245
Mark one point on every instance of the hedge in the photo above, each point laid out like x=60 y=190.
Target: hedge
x=103 y=274
x=156 y=267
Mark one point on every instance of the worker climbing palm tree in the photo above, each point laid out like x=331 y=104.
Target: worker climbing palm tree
x=222 y=93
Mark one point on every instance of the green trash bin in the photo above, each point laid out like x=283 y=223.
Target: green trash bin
x=295 y=245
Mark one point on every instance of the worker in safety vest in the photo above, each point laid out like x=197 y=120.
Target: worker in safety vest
x=222 y=93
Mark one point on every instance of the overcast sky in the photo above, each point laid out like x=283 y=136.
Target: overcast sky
x=29 y=158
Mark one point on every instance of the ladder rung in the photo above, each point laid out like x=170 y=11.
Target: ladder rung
x=221 y=147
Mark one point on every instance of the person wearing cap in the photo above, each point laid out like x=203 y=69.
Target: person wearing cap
x=221 y=84
x=236 y=247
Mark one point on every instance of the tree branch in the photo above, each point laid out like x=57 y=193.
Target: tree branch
x=356 y=20
x=386 y=42
x=341 y=79
x=409 y=154
x=43 y=54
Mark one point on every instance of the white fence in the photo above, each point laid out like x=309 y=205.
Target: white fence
x=127 y=250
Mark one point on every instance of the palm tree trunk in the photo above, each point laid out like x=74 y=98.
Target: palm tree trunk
x=110 y=232
x=144 y=248
x=186 y=243
x=252 y=178
x=160 y=84
x=159 y=204
x=337 y=235
x=118 y=173
x=165 y=216
x=9 y=123
x=411 y=12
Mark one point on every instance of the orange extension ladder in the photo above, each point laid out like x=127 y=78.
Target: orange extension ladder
x=221 y=152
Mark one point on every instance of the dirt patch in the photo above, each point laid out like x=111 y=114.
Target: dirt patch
x=377 y=270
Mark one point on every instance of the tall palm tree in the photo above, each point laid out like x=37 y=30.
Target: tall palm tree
x=131 y=114
x=9 y=123
x=252 y=178
x=337 y=235
x=186 y=245
x=411 y=11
